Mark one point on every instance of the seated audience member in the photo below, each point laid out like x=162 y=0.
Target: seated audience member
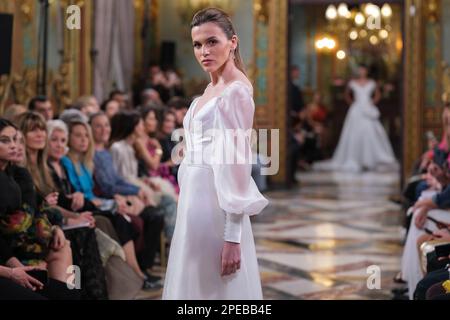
x=13 y=112
x=166 y=122
x=43 y=106
x=111 y=185
x=88 y=105
x=82 y=240
x=432 y=204
x=150 y=96
x=28 y=234
x=79 y=165
x=121 y=97
x=179 y=106
x=435 y=275
x=126 y=128
x=71 y=115
x=149 y=151
x=17 y=284
x=110 y=107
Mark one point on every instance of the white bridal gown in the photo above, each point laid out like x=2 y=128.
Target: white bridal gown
x=215 y=202
x=364 y=143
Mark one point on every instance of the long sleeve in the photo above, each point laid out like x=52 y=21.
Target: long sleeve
x=232 y=156
x=124 y=160
x=80 y=181
x=233 y=227
x=442 y=199
x=107 y=178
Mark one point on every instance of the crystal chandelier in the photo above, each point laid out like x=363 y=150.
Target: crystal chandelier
x=368 y=22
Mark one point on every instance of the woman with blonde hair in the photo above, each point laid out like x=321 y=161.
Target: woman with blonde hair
x=79 y=165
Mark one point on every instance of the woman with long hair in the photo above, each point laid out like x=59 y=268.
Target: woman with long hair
x=111 y=184
x=150 y=152
x=126 y=128
x=212 y=255
x=79 y=165
x=26 y=231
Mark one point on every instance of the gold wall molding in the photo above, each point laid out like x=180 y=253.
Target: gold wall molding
x=414 y=74
x=271 y=23
x=74 y=74
x=277 y=80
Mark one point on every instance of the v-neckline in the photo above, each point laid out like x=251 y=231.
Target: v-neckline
x=194 y=107
x=194 y=114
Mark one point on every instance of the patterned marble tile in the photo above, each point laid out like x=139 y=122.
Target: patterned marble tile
x=316 y=241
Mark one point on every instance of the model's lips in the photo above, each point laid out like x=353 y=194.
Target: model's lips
x=206 y=61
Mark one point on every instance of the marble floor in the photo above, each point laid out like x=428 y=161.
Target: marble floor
x=317 y=241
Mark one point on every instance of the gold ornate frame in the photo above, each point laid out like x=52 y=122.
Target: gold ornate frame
x=271 y=110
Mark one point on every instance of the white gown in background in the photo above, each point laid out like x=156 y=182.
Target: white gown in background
x=363 y=144
x=212 y=198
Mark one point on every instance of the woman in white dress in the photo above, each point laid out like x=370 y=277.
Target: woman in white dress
x=364 y=144
x=212 y=255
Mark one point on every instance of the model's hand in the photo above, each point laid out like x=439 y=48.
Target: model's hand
x=231 y=258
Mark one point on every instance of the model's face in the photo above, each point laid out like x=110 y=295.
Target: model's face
x=112 y=108
x=101 y=129
x=8 y=144
x=168 y=124
x=362 y=72
x=20 y=152
x=212 y=48
x=36 y=139
x=57 y=144
x=79 y=139
x=45 y=109
x=150 y=122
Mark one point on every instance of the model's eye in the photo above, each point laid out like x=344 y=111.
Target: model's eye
x=212 y=42
x=197 y=45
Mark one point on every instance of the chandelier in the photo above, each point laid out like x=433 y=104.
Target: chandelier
x=364 y=23
x=187 y=8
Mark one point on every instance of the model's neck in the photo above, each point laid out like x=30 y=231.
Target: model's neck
x=224 y=74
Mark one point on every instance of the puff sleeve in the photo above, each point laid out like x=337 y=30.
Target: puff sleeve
x=232 y=159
